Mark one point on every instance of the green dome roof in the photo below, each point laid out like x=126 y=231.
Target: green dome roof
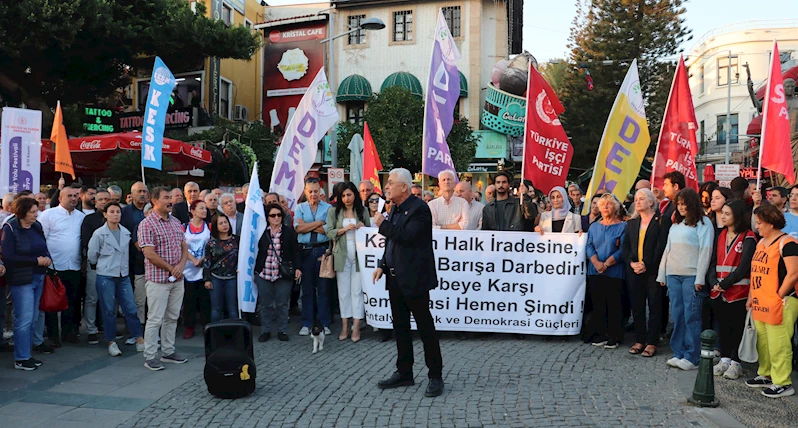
x=463 y=85
x=354 y=88
x=405 y=80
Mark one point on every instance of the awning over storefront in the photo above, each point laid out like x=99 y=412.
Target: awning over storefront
x=463 y=85
x=92 y=153
x=405 y=80
x=354 y=88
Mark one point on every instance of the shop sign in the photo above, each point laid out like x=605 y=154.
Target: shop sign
x=491 y=145
x=175 y=119
x=97 y=120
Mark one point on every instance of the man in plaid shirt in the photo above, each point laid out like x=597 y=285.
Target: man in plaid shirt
x=161 y=239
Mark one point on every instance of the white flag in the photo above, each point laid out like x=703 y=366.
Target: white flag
x=251 y=231
x=314 y=116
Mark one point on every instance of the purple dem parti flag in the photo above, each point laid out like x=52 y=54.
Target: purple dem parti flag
x=443 y=91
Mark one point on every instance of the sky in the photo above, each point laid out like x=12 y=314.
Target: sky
x=546 y=29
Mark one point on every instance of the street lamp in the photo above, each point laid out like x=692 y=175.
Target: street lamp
x=368 y=24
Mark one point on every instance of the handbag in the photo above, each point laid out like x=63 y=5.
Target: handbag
x=53 y=294
x=327 y=268
x=286 y=271
x=747 y=348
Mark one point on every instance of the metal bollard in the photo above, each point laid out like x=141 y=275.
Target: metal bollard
x=704 y=390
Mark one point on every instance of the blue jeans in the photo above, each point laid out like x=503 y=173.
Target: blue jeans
x=112 y=290
x=224 y=297
x=26 y=300
x=312 y=284
x=686 y=304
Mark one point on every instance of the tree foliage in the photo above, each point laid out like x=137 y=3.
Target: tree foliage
x=126 y=165
x=396 y=121
x=618 y=30
x=82 y=50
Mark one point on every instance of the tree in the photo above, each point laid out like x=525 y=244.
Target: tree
x=554 y=73
x=396 y=121
x=619 y=31
x=83 y=50
x=126 y=165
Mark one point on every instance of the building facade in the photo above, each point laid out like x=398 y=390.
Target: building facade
x=718 y=89
x=227 y=88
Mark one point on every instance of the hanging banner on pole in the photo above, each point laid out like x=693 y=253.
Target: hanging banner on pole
x=775 y=152
x=506 y=282
x=161 y=87
x=443 y=91
x=20 y=150
x=253 y=227
x=677 y=145
x=314 y=116
x=624 y=142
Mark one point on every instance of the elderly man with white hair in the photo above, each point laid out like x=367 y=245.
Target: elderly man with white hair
x=409 y=268
x=448 y=210
x=464 y=190
x=228 y=203
x=8 y=201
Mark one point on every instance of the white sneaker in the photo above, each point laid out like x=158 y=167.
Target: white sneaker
x=304 y=331
x=113 y=350
x=686 y=365
x=673 y=362
x=130 y=341
x=720 y=368
x=139 y=347
x=734 y=371
x=327 y=331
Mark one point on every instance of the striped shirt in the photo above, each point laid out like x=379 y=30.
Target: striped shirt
x=166 y=237
x=456 y=211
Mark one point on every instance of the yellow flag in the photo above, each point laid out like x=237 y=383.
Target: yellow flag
x=624 y=142
x=63 y=159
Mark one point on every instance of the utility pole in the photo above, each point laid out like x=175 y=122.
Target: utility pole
x=727 y=126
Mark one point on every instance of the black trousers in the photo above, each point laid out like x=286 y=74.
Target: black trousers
x=731 y=323
x=606 y=294
x=401 y=308
x=646 y=291
x=196 y=295
x=70 y=318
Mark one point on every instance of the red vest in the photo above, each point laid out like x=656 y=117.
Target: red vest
x=728 y=262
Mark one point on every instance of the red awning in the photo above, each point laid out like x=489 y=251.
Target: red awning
x=93 y=153
x=709 y=173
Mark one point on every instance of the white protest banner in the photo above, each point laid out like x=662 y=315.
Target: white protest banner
x=20 y=150
x=504 y=282
x=314 y=116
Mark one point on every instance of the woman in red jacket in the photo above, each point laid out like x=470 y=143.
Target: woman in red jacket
x=734 y=249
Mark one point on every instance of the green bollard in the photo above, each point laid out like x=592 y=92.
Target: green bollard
x=704 y=390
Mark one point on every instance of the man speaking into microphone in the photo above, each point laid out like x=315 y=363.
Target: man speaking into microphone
x=409 y=266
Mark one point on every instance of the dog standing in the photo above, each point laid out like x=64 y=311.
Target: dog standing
x=318 y=338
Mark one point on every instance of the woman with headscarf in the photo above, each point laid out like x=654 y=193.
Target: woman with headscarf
x=559 y=219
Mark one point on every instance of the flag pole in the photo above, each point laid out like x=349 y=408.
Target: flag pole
x=142 y=175
x=526 y=118
x=764 y=123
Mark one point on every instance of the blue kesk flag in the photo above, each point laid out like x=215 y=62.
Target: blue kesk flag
x=161 y=87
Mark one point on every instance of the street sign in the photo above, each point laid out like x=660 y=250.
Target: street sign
x=724 y=174
x=334 y=176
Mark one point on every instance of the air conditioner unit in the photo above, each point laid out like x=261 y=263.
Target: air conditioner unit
x=241 y=113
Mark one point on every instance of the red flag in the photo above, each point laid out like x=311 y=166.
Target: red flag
x=677 y=145
x=775 y=151
x=547 y=150
x=371 y=160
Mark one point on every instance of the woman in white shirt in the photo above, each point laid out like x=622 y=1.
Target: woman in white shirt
x=560 y=219
x=197 y=235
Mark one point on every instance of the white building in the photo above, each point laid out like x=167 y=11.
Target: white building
x=708 y=63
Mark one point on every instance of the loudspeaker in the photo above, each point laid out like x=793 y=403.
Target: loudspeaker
x=229 y=359
x=235 y=334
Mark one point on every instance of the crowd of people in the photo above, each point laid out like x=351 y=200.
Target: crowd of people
x=665 y=262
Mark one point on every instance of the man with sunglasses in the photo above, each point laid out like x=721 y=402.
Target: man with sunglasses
x=310 y=222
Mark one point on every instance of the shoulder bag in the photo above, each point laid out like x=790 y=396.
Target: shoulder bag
x=54 y=293
x=747 y=349
x=286 y=270
x=327 y=268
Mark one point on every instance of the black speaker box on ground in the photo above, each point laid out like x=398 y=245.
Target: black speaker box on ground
x=229 y=359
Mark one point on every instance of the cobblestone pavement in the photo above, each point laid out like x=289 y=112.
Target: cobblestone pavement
x=491 y=381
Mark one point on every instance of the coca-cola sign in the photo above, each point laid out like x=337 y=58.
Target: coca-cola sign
x=196 y=152
x=90 y=145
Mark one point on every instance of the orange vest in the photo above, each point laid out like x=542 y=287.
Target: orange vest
x=766 y=305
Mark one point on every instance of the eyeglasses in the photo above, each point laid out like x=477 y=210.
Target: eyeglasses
x=275 y=215
x=374 y=201
x=793 y=195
